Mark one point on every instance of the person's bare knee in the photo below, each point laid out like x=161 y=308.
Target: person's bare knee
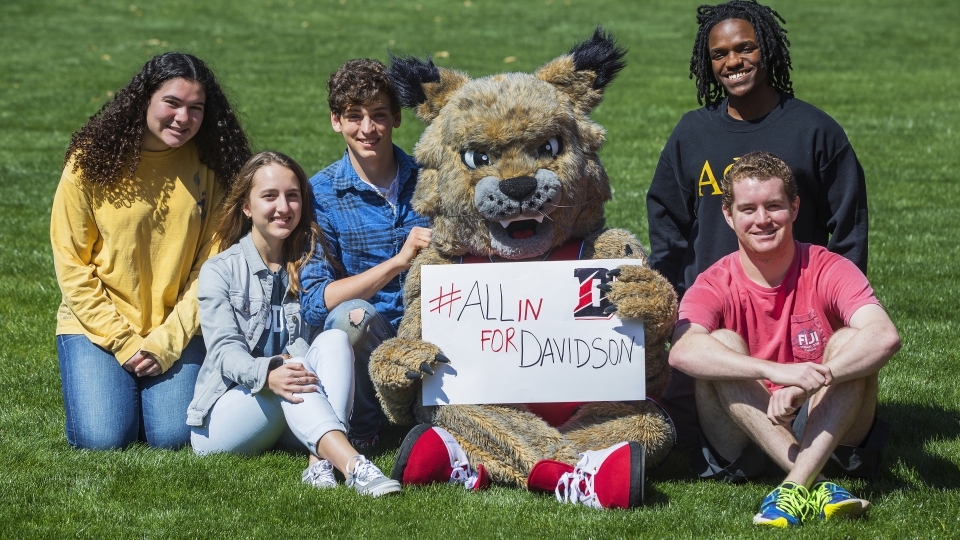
x=720 y=429
x=356 y=316
x=731 y=340
x=833 y=403
x=837 y=341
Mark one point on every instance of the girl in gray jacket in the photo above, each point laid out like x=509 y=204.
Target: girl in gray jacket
x=262 y=380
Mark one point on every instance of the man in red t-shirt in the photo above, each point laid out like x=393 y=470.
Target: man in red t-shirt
x=785 y=341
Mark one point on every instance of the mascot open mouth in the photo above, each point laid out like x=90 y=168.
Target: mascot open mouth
x=521 y=238
x=521 y=229
x=517 y=212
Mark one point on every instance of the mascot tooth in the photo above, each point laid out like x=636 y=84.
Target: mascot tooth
x=510 y=172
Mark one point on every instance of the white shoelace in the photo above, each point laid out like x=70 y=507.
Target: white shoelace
x=577 y=488
x=463 y=474
x=363 y=471
x=320 y=471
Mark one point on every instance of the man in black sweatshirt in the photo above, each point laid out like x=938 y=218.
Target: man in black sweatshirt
x=742 y=69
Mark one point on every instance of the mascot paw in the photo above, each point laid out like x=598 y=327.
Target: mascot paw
x=396 y=367
x=399 y=363
x=642 y=293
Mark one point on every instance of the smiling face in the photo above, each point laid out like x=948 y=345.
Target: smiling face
x=735 y=57
x=174 y=115
x=762 y=217
x=367 y=129
x=274 y=205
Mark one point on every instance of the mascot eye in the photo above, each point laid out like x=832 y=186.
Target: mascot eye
x=550 y=148
x=475 y=158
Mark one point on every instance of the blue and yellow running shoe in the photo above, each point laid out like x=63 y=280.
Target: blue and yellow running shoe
x=828 y=501
x=785 y=506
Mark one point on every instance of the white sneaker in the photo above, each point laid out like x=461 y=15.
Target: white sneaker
x=320 y=475
x=367 y=479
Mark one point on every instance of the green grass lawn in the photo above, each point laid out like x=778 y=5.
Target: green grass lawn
x=888 y=71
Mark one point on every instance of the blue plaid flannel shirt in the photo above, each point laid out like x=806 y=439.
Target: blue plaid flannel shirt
x=363 y=229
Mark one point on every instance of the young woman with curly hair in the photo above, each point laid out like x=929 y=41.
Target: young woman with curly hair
x=133 y=220
x=251 y=393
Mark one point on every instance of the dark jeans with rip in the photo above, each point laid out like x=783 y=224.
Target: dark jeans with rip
x=366 y=330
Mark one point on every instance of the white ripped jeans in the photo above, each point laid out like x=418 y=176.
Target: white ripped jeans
x=245 y=423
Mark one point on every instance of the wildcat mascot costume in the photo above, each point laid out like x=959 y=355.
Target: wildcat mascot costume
x=509 y=172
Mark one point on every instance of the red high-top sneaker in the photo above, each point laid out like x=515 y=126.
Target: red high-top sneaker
x=608 y=478
x=430 y=454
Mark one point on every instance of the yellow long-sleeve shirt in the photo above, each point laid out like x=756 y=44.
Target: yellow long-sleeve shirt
x=127 y=258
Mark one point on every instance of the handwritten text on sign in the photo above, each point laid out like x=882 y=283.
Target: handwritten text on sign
x=531 y=332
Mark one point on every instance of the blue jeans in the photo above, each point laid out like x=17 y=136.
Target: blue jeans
x=108 y=407
x=365 y=334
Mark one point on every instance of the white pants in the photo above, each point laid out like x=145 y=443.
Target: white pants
x=245 y=423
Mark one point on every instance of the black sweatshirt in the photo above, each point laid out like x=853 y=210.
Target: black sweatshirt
x=687 y=230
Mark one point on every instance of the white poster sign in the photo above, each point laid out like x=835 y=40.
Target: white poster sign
x=531 y=332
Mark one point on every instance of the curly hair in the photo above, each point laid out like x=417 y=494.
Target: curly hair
x=771 y=37
x=306 y=237
x=106 y=149
x=761 y=166
x=359 y=82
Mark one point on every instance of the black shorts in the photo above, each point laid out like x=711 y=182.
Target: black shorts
x=861 y=461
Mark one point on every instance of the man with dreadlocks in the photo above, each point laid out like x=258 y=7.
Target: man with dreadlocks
x=741 y=65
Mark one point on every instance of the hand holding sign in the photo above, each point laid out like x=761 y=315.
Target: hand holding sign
x=642 y=294
x=397 y=367
x=425 y=367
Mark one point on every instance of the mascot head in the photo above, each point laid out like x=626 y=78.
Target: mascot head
x=509 y=162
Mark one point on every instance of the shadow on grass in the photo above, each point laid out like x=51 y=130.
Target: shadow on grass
x=908 y=460
x=653 y=497
x=915 y=427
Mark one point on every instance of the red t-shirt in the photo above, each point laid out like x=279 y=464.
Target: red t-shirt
x=788 y=323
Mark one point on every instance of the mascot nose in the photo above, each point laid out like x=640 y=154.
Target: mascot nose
x=519 y=187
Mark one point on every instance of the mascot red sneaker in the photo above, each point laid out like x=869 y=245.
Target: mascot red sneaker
x=509 y=172
x=430 y=454
x=608 y=478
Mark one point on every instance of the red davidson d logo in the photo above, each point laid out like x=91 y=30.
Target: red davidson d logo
x=592 y=300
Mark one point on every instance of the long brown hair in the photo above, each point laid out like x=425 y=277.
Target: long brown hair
x=107 y=148
x=306 y=237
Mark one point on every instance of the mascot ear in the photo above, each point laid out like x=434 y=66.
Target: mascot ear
x=589 y=67
x=423 y=86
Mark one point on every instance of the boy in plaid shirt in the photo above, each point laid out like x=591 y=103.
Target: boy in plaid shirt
x=362 y=203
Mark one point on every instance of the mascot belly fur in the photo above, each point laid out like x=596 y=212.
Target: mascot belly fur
x=509 y=171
